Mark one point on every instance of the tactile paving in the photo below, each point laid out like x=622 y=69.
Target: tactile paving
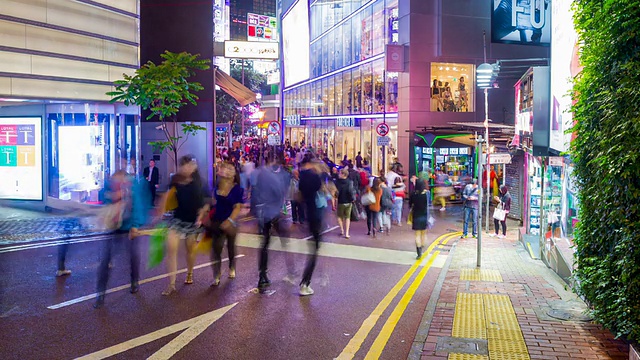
x=508 y=356
x=504 y=334
x=467 y=357
x=480 y=275
x=508 y=346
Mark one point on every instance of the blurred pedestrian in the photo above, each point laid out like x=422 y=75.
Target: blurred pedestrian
x=185 y=226
x=345 y=198
x=297 y=206
x=374 y=220
x=269 y=194
x=224 y=222
x=311 y=181
x=152 y=175
x=419 y=203
x=399 y=190
x=129 y=199
x=386 y=206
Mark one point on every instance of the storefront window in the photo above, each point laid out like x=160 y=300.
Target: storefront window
x=330 y=95
x=379 y=86
x=339 y=109
x=366 y=40
x=392 y=92
x=346 y=42
x=324 y=88
x=347 y=91
x=367 y=88
x=317 y=98
x=357 y=91
x=316 y=58
x=452 y=87
x=356 y=31
x=325 y=55
x=378 y=28
x=337 y=50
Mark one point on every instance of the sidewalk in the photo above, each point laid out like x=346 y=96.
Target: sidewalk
x=510 y=308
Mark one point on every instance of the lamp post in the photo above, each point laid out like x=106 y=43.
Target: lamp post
x=478 y=220
x=484 y=79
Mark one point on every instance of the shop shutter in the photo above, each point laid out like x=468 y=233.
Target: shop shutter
x=514 y=174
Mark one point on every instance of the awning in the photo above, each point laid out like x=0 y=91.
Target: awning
x=234 y=88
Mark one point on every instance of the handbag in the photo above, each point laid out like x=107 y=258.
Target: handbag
x=499 y=213
x=156 y=246
x=410 y=217
x=368 y=198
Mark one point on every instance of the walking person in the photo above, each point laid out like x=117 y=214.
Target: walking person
x=185 y=226
x=419 y=203
x=152 y=175
x=345 y=199
x=373 y=209
x=386 y=207
x=297 y=206
x=224 y=222
x=504 y=203
x=470 y=197
x=399 y=190
x=129 y=199
x=269 y=194
x=311 y=179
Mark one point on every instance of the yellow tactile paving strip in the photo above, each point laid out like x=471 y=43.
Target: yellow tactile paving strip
x=490 y=317
x=480 y=275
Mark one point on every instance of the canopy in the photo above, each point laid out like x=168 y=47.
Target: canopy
x=234 y=88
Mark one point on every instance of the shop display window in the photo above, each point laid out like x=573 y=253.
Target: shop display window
x=347 y=92
x=356 y=91
x=379 y=87
x=367 y=88
x=392 y=92
x=378 y=27
x=452 y=87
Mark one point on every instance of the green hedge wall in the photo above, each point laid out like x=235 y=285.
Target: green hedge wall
x=607 y=157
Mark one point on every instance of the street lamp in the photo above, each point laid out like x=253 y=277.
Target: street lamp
x=485 y=76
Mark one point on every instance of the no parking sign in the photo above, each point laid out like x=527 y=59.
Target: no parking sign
x=382 y=129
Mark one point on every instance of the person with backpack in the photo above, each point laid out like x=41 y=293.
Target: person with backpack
x=470 y=197
x=419 y=202
x=346 y=197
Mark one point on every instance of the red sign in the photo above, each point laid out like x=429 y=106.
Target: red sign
x=382 y=129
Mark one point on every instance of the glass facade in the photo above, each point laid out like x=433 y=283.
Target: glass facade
x=350 y=91
x=85 y=143
x=452 y=87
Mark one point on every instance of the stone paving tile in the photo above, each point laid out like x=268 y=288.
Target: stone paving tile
x=533 y=290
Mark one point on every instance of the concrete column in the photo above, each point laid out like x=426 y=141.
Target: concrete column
x=419 y=33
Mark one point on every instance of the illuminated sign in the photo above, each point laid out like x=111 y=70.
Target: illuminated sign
x=293 y=120
x=521 y=22
x=261 y=28
x=345 y=122
x=21 y=158
x=250 y=50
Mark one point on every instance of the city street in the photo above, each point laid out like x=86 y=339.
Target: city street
x=370 y=295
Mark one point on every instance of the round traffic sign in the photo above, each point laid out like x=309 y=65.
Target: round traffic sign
x=273 y=128
x=382 y=129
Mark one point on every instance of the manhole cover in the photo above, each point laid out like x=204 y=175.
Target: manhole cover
x=568 y=315
x=462 y=345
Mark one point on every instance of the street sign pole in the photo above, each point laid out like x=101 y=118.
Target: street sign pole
x=478 y=220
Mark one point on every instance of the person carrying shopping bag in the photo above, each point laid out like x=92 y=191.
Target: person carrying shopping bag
x=500 y=213
x=345 y=199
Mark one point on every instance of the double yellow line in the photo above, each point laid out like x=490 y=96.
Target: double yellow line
x=383 y=337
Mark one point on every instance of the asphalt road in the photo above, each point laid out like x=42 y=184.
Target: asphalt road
x=358 y=284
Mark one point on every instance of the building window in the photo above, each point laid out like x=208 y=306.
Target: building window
x=452 y=87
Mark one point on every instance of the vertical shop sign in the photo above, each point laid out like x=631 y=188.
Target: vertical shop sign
x=21 y=158
x=393 y=26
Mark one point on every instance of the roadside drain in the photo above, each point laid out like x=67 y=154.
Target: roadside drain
x=462 y=345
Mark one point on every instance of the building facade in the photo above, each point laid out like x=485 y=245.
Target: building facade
x=337 y=103
x=59 y=58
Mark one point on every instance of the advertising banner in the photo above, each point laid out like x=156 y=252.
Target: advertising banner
x=521 y=22
x=21 y=158
x=261 y=28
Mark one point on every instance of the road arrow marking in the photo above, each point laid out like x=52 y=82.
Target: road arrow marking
x=194 y=327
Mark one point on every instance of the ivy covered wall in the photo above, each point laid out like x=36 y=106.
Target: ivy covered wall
x=607 y=157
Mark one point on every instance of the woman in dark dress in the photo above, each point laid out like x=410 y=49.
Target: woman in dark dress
x=419 y=202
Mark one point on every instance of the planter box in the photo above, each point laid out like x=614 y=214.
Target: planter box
x=633 y=353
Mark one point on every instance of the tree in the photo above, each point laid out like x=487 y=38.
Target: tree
x=163 y=89
x=606 y=153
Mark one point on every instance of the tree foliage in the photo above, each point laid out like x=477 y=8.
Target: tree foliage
x=606 y=152
x=164 y=89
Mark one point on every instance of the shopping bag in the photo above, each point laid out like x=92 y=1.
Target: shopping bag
x=499 y=214
x=354 y=213
x=205 y=243
x=410 y=218
x=111 y=216
x=430 y=222
x=156 y=246
x=368 y=198
x=172 y=200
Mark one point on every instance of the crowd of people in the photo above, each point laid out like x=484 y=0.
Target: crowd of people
x=282 y=188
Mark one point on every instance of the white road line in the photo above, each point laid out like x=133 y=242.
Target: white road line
x=194 y=327
x=51 y=243
x=123 y=287
x=322 y=233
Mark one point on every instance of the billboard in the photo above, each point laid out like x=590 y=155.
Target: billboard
x=521 y=22
x=295 y=41
x=564 y=50
x=21 y=158
x=261 y=28
x=250 y=50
